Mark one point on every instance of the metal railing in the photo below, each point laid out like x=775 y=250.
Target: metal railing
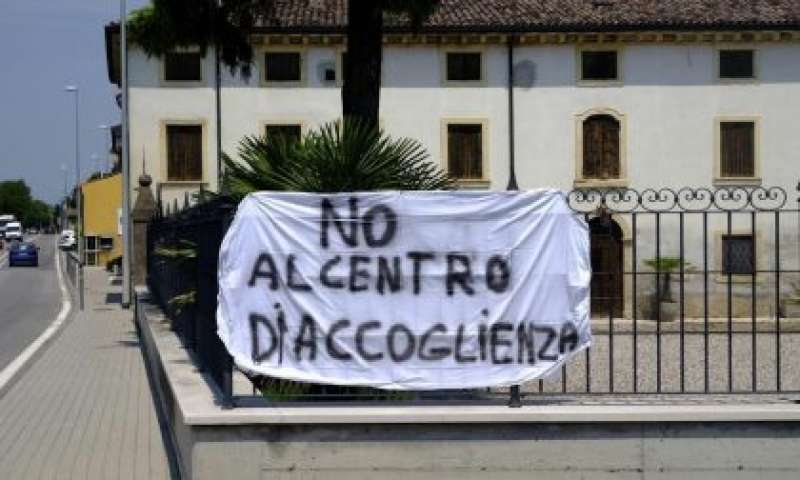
x=183 y=251
x=74 y=268
x=673 y=311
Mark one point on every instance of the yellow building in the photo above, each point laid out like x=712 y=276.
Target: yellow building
x=102 y=207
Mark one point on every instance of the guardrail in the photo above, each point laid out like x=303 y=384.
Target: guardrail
x=74 y=268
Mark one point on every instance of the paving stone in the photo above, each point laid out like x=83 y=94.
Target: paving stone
x=84 y=408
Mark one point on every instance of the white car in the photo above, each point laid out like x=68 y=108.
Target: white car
x=13 y=231
x=67 y=240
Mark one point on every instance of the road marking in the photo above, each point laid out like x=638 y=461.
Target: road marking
x=16 y=366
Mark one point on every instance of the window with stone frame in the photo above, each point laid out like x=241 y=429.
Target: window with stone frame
x=599 y=65
x=736 y=64
x=738 y=254
x=183 y=67
x=465 y=150
x=282 y=67
x=463 y=66
x=737 y=149
x=289 y=132
x=184 y=152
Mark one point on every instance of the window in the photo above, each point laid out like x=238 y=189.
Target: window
x=329 y=74
x=738 y=254
x=90 y=250
x=599 y=65
x=465 y=150
x=106 y=243
x=182 y=67
x=463 y=67
x=736 y=64
x=290 y=133
x=601 y=147
x=737 y=149
x=184 y=152
x=282 y=67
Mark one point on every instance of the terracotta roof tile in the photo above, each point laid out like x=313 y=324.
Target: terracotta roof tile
x=558 y=15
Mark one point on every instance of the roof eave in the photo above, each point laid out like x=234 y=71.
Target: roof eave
x=522 y=28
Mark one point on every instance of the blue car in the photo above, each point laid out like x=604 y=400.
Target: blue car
x=23 y=253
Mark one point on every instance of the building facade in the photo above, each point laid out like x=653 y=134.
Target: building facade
x=572 y=94
x=102 y=210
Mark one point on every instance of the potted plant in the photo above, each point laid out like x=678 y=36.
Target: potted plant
x=663 y=304
x=791 y=305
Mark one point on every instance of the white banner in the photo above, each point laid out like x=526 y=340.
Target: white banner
x=405 y=290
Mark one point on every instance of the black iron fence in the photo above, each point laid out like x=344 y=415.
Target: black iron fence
x=693 y=291
x=182 y=256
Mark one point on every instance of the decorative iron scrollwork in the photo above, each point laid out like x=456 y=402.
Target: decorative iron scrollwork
x=686 y=199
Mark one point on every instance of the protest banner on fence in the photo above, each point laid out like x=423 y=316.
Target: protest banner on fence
x=405 y=290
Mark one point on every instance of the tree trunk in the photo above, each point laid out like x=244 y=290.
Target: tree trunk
x=362 y=70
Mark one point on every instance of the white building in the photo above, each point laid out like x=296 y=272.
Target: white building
x=646 y=94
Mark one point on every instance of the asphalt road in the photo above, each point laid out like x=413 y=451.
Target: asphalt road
x=29 y=299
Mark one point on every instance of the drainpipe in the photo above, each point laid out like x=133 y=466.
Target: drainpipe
x=515 y=398
x=218 y=95
x=512 y=176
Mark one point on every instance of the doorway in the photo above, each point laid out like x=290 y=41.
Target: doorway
x=605 y=239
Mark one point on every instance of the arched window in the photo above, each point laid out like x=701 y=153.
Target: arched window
x=601 y=147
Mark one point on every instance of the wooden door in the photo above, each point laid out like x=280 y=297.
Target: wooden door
x=607 y=276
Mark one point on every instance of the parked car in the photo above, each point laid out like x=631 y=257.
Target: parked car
x=13 y=231
x=23 y=253
x=67 y=240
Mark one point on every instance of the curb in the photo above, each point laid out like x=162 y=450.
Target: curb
x=13 y=371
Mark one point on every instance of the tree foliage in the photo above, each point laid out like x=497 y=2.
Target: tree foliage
x=339 y=157
x=168 y=24
x=16 y=199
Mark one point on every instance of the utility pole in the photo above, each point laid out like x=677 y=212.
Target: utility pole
x=126 y=166
x=78 y=191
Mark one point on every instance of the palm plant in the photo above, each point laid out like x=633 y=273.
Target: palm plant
x=665 y=266
x=339 y=157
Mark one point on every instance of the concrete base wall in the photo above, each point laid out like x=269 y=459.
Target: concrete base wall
x=569 y=451
x=549 y=441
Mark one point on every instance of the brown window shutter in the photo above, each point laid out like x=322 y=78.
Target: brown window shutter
x=465 y=150
x=737 y=149
x=601 y=147
x=184 y=152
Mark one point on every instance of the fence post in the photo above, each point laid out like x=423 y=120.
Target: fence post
x=143 y=211
x=227 y=373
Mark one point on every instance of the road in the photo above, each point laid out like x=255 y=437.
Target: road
x=30 y=299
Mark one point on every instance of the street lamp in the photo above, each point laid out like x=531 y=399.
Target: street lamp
x=78 y=192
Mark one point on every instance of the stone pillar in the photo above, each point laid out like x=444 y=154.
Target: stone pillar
x=143 y=211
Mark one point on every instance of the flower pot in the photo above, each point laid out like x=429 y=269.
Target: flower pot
x=667 y=310
x=791 y=308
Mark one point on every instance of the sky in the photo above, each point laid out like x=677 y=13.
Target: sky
x=45 y=45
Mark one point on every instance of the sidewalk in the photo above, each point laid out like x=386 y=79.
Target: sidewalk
x=84 y=409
